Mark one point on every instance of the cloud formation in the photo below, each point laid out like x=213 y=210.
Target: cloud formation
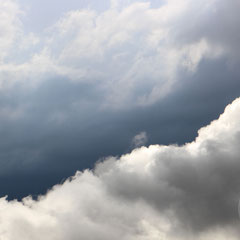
x=159 y=192
x=133 y=52
x=155 y=63
x=84 y=86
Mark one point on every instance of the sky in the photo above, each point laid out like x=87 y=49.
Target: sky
x=119 y=119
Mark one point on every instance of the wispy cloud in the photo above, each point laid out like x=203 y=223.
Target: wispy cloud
x=140 y=139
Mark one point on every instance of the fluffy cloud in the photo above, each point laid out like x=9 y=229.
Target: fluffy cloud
x=159 y=192
x=133 y=52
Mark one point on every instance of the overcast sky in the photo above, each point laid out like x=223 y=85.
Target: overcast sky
x=88 y=84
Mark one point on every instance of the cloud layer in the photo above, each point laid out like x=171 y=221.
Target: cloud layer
x=83 y=86
x=132 y=53
x=159 y=192
x=97 y=81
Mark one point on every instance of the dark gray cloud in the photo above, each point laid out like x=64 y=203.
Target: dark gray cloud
x=99 y=81
x=64 y=129
x=173 y=192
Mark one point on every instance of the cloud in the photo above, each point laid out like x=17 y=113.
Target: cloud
x=97 y=77
x=10 y=26
x=169 y=192
x=140 y=139
x=133 y=52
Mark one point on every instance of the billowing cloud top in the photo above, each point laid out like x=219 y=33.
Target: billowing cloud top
x=159 y=192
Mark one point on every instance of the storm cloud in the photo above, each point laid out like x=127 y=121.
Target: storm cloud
x=169 y=192
x=80 y=83
x=114 y=95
